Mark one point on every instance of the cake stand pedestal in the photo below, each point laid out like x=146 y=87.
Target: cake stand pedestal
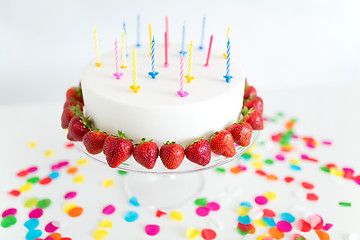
x=162 y=188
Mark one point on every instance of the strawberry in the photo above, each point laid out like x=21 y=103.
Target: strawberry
x=252 y=117
x=250 y=91
x=146 y=153
x=70 y=103
x=199 y=152
x=68 y=114
x=222 y=143
x=94 y=141
x=172 y=155
x=74 y=93
x=241 y=133
x=77 y=128
x=256 y=103
x=117 y=149
x=246 y=83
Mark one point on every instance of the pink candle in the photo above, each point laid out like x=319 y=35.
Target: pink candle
x=166 y=50
x=117 y=74
x=167 y=29
x=209 y=51
x=182 y=93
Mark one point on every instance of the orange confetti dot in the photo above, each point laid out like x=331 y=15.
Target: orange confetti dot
x=253 y=230
x=322 y=235
x=235 y=170
x=289 y=125
x=286 y=148
x=55 y=236
x=75 y=212
x=272 y=177
x=72 y=170
x=276 y=233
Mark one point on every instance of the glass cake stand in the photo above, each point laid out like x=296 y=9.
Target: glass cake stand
x=162 y=188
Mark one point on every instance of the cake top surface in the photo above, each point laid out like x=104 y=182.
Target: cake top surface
x=208 y=83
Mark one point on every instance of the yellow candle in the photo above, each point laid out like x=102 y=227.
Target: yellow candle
x=227 y=37
x=189 y=77
x=150 y=38
x=98 y=63
x=123 y=50
x=134 y=87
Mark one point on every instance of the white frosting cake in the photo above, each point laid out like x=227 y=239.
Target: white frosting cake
x=156 y=111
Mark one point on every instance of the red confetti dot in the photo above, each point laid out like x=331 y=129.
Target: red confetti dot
x=268 y=213
x=307 y=185
x=245 y=227
x=260 y=172
x=22 y=173
x=303 y=226
x=357 y=179
x=208 y=234
x=289 y=179
x=312 y=160
x=276 y=138
x=45 y=181
x=66 y=238
x=14 y=193
x=312 y=197
x=69 y=145
x=330 y=165
x=160 y=213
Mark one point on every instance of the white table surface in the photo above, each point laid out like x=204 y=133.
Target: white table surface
x=325 y=113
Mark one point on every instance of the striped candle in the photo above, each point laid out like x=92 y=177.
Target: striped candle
x=153 y=73
x=189 y=77
x=123 y=50
x=98 y=63
x=117 y=74
x=227 y=75
x=134 y=87
x=227 y=38
x=182 y=93
x=209 y=51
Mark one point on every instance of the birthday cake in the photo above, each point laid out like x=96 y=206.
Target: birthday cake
x=163 y=108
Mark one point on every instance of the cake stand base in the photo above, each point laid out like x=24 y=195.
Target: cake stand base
x=167 y=191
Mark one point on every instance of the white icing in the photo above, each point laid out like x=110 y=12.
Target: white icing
x=156 y=111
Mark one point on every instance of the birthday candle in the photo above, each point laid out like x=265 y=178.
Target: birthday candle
x=153 y=73
x=138 y=31
x=209 y=51
x=227 y=75
x=227 y=38
x=183 y=40
x=182 y=93
x=134 y=87
x=202 y=33
x=98 y=63
x=117 y=74
x=166 y=50
x=189 y=77
x=123 y=50
x=167 y=29
x=150 y=38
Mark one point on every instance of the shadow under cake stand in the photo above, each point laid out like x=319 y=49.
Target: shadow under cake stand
x=162 y=188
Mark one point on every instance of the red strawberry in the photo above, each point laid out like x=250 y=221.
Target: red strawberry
x=250 y=91
x=172 y=155
x=253 y=117
x=94 y=141
x=199 y=152
x=246 y=83
x=241 y=133
x=256 y=103
x=222 y=143
x=74 y=93
x=70 y=103
x=68 y=114
x=146 y=153
x=117 y=149
x=77 y=128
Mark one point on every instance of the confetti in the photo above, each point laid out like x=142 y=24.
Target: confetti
x=160 y=213
x=287 y=217
x=33 y=234
x=245 y=227
x=52 y=226
x=45 y=181
x=70 y=195
x=192 y=233
x=208 y=234
x=31 y=144
x=202 y=202
x=33 y=180
x=152 y=230
x=345 y=204
x=288 y=179
x=133 y=201
x=22 y=173
x=109 y=209
x=269 y=221
x=121 y=172
x=55 y=236
x=256 y=213
x=322 y=235
x=131 y=216
x=49 y=153
x=312 y=197
x=280 y=157
x=202 y=211
x=36 y=213
x=268 y=213
x=213 y=206
x=69 y=145
x=243 y=211
x=8 y=221
x=105 y=223
x=79 y=179
x=297 y=237
x=307 y=185
x=244 y=220
x=72 y=170
x=283 y=226
x=220 y=170
x=44 y=203
x=176 y=215
x=327 y=227
x=260 y=223
x=14 y=193
x=270 y=196
x=303 y=226
x=82 y=161
x=54 y=175
x=107 y=183
x=75 y=212
x=261 y=200
x=316 y=222
x=100 y=234
x=31 y=223
x=276 y=233
x=26 y=187
x=9 y=211
x=68 y=206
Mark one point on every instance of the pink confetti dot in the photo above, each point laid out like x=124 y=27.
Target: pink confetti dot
x=52 y=227
x=202 y=211
x=327 y=226
x=280 y=157
x=213 y=206
x=304 y=156
x=32 y=169
x=70 y=195
x=284 y=226
x=110 y=209
x=36 y=213
x=10 y=211
x=152 y=230
x=327 y=142
x=63 y=163
x=261 y=200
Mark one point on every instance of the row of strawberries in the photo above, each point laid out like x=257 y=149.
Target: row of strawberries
x=118 y=149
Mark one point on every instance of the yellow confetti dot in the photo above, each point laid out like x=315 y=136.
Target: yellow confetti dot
x=251 y=149
x=26 y=187
x=100 y=234
x=257 y=165
x=31 y=144
x=262 y=236
x=270 y=196
x=243 y=211
x=68 y=206
x=105 y=223
x=82 y=161
x=79 y=179
x=192 y=233
x=336 y=172
x=107 y=183
x=49 y=153
x=260 y=223
x=287 y=148
x=256 y=156
x=30 y=202
x=295 y=161
x=176 y=215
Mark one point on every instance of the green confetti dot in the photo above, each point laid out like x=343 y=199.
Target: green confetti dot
x=8 y=221
x=31 y=202
x=345 y=204
x=300 y=238
x=246 y=156
x=325 y=169
x=273 y=119
x=33 y=180
x=222 y=170
x=269 y=161
x=280 y=114
x=121 y=172
x=262 y=143
x=44 y=203
x=201 y=202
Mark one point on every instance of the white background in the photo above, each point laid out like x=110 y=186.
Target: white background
x=45 y=44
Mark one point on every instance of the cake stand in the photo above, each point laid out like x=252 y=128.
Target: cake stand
x=162 y=188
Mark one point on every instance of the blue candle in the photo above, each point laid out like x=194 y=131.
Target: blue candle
x=153 y=73
x=138 y=31
x=124 y=28
x=202 y=33
x=227 y=75
x=183 y=41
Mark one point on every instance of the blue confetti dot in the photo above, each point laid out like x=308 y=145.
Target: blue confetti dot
x=133 y=201
x=295 y=167
x=54 y=175
x=31 y=223
x=131 y=216
x=269 y=221
x=287 y=217
x=244 y=220
x=246 y=204
x=33 y=234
